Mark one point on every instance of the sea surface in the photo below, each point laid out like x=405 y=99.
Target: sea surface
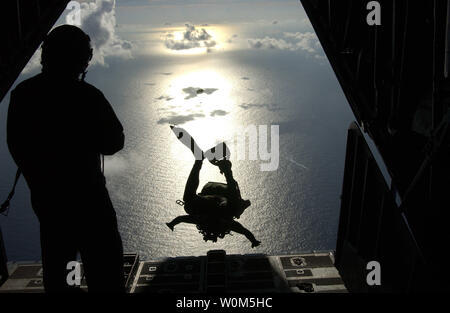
x=295 y=208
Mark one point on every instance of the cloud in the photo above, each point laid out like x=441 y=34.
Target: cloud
x=191 y=38
x=270 y=43
x=98 y=20
x=33 y=64
x=120 y=163
x=306 y=41
x=195 y=91
x=218 y=112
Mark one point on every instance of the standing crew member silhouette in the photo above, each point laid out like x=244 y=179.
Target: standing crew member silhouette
x=58 y=128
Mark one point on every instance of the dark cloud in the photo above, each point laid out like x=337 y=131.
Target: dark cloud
x=167 y=98
x=247 y=106
x=180 y=119
x=270 y=107
x=231 y=38
x=245 y=78
x=218 y=112
x=195 y=91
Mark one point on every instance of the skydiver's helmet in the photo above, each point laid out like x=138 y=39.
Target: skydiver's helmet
x=213 y=229
x=66 y=51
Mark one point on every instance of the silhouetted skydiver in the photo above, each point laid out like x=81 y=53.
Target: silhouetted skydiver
x=214 y=209
x=213 y=228
x=58 y=128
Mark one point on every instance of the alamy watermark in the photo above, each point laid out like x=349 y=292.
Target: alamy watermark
x=373 y=278
x=374 y=16
x=73 y=278
x=249 y=142
x=74 y=16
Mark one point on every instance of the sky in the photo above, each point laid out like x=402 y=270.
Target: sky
x=257 y=62
x=127 y=29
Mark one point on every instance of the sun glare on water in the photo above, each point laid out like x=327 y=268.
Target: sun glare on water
x=206 y=92
x=206 y=95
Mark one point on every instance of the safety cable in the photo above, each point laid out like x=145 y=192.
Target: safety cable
x=4 y=209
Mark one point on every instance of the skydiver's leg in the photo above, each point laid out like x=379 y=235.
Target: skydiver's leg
x=237 y=227
x=181 y=219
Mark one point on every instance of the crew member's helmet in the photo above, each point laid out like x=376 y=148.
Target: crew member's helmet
x=66 y=50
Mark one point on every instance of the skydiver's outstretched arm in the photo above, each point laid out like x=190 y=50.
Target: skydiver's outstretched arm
x=182 y=219
x=237 y=227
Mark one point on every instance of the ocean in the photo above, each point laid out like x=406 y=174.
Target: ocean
x=295 y=207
